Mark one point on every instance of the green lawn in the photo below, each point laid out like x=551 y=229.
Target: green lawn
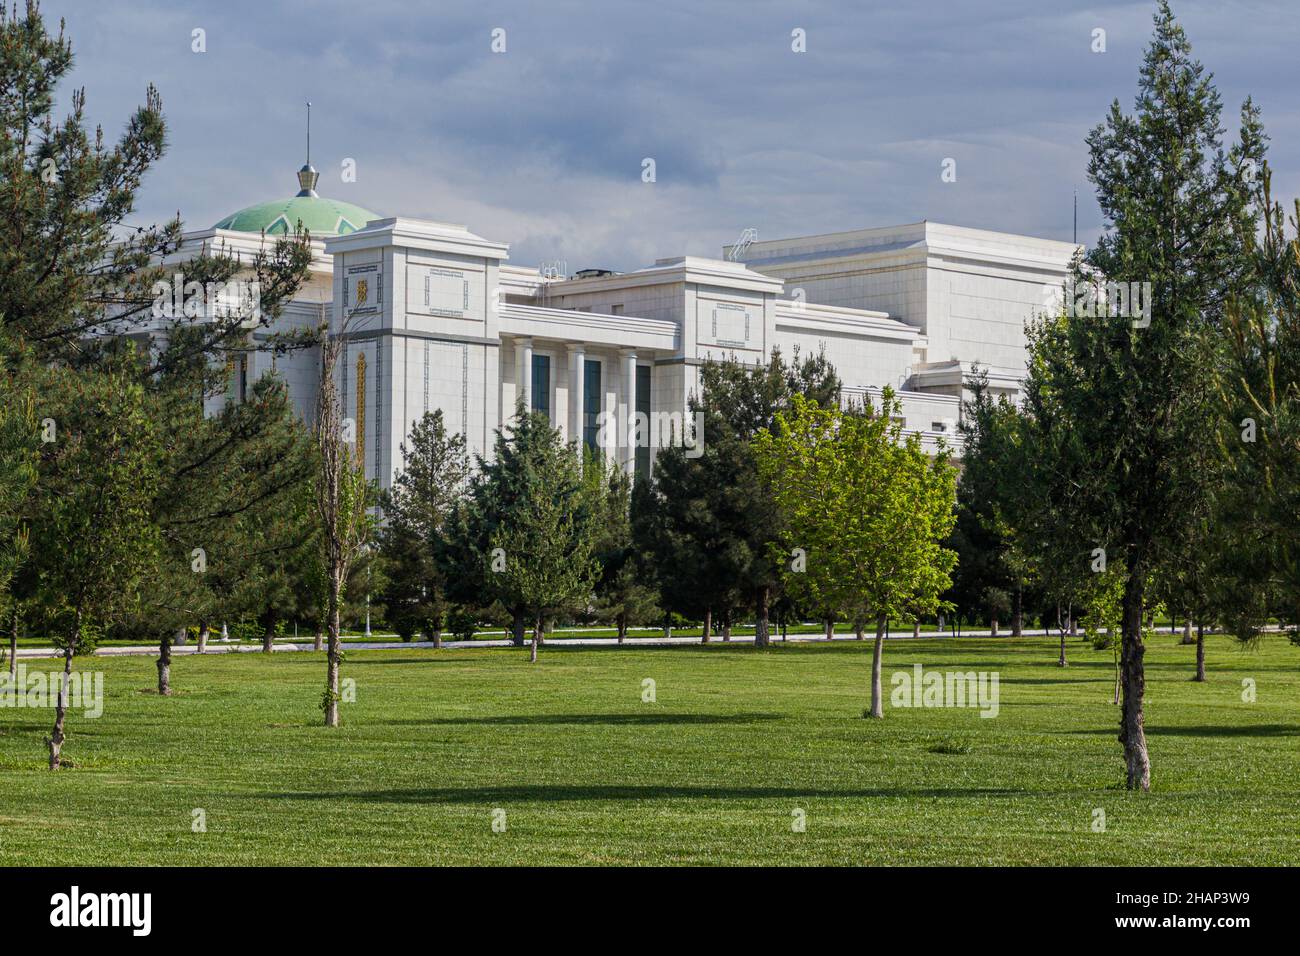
x=712 y=772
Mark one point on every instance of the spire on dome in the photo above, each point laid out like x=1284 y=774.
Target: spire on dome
x=307 y=179
x=307 y=176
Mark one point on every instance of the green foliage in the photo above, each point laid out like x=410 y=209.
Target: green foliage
x=416 y=511
x=19 y=444
x=865 y=504
x=625 y=594
x=541 y=554
x=708 y=523
x=92 y=510
x=1258 y=562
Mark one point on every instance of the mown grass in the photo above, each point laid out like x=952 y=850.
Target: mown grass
x=712 y=772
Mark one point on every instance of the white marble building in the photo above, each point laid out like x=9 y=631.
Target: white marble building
x=435 y=316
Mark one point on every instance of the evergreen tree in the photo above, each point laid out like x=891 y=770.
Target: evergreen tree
x=417 y=510
x=1127 y=393
x=624 y=592
x=498 y=488
x=540 y=558
x=1258 y=563
x=714 y=526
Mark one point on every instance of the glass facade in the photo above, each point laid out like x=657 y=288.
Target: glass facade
x=542 y=384
x=591 y=403
x=642 y=462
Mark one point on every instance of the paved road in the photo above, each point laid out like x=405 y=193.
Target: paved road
x=216 y=647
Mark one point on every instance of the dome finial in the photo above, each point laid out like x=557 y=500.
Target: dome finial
x=307 y=176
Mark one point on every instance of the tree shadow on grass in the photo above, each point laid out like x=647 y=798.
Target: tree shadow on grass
x=539 y=793
x=383 y=662
x=1255 y=730
x=1049 y=680
x=614 y=720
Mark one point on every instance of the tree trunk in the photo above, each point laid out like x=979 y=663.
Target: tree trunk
x=55 y=740
x=993 y=629
x=1118 y=681
x=318 y=642
x=708 y=624
x=537 y=639
x=1062 y=661
x=830 y=628
x=1187 y=632
x=332 y=656
x=877 y=693
x=204 y=632
x=859 y=630
x=916 y=628
x=165 y=665
x=784 y=630
x=437 y=638
x=726 y=627
x=268 y=636
x=13 y=647
x=1018 y=617
x=622 y=626
x=1200 y=654
x=518 y=629
x=762 y=625
x=1133 y=682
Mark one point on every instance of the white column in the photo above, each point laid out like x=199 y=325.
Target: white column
x=577 y=384
x=524 y=374
x=629 y=409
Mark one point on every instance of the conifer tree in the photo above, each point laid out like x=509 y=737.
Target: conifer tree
x=1126 y=394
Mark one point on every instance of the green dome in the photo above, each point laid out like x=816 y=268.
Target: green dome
x=319 y=216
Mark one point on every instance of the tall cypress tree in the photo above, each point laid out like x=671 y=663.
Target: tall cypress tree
x=1128 y=393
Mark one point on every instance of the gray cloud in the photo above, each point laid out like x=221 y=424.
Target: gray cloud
x=542 y=146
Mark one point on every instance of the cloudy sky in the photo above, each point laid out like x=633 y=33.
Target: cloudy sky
x=542 y=146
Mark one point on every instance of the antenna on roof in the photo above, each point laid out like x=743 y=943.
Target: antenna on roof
x=1076 y=217
x=309 y=132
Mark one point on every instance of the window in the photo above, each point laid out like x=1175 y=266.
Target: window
x=616 y=309
x=937 y=427
x=542 y=384
x=591 y=403
x=642 y=460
